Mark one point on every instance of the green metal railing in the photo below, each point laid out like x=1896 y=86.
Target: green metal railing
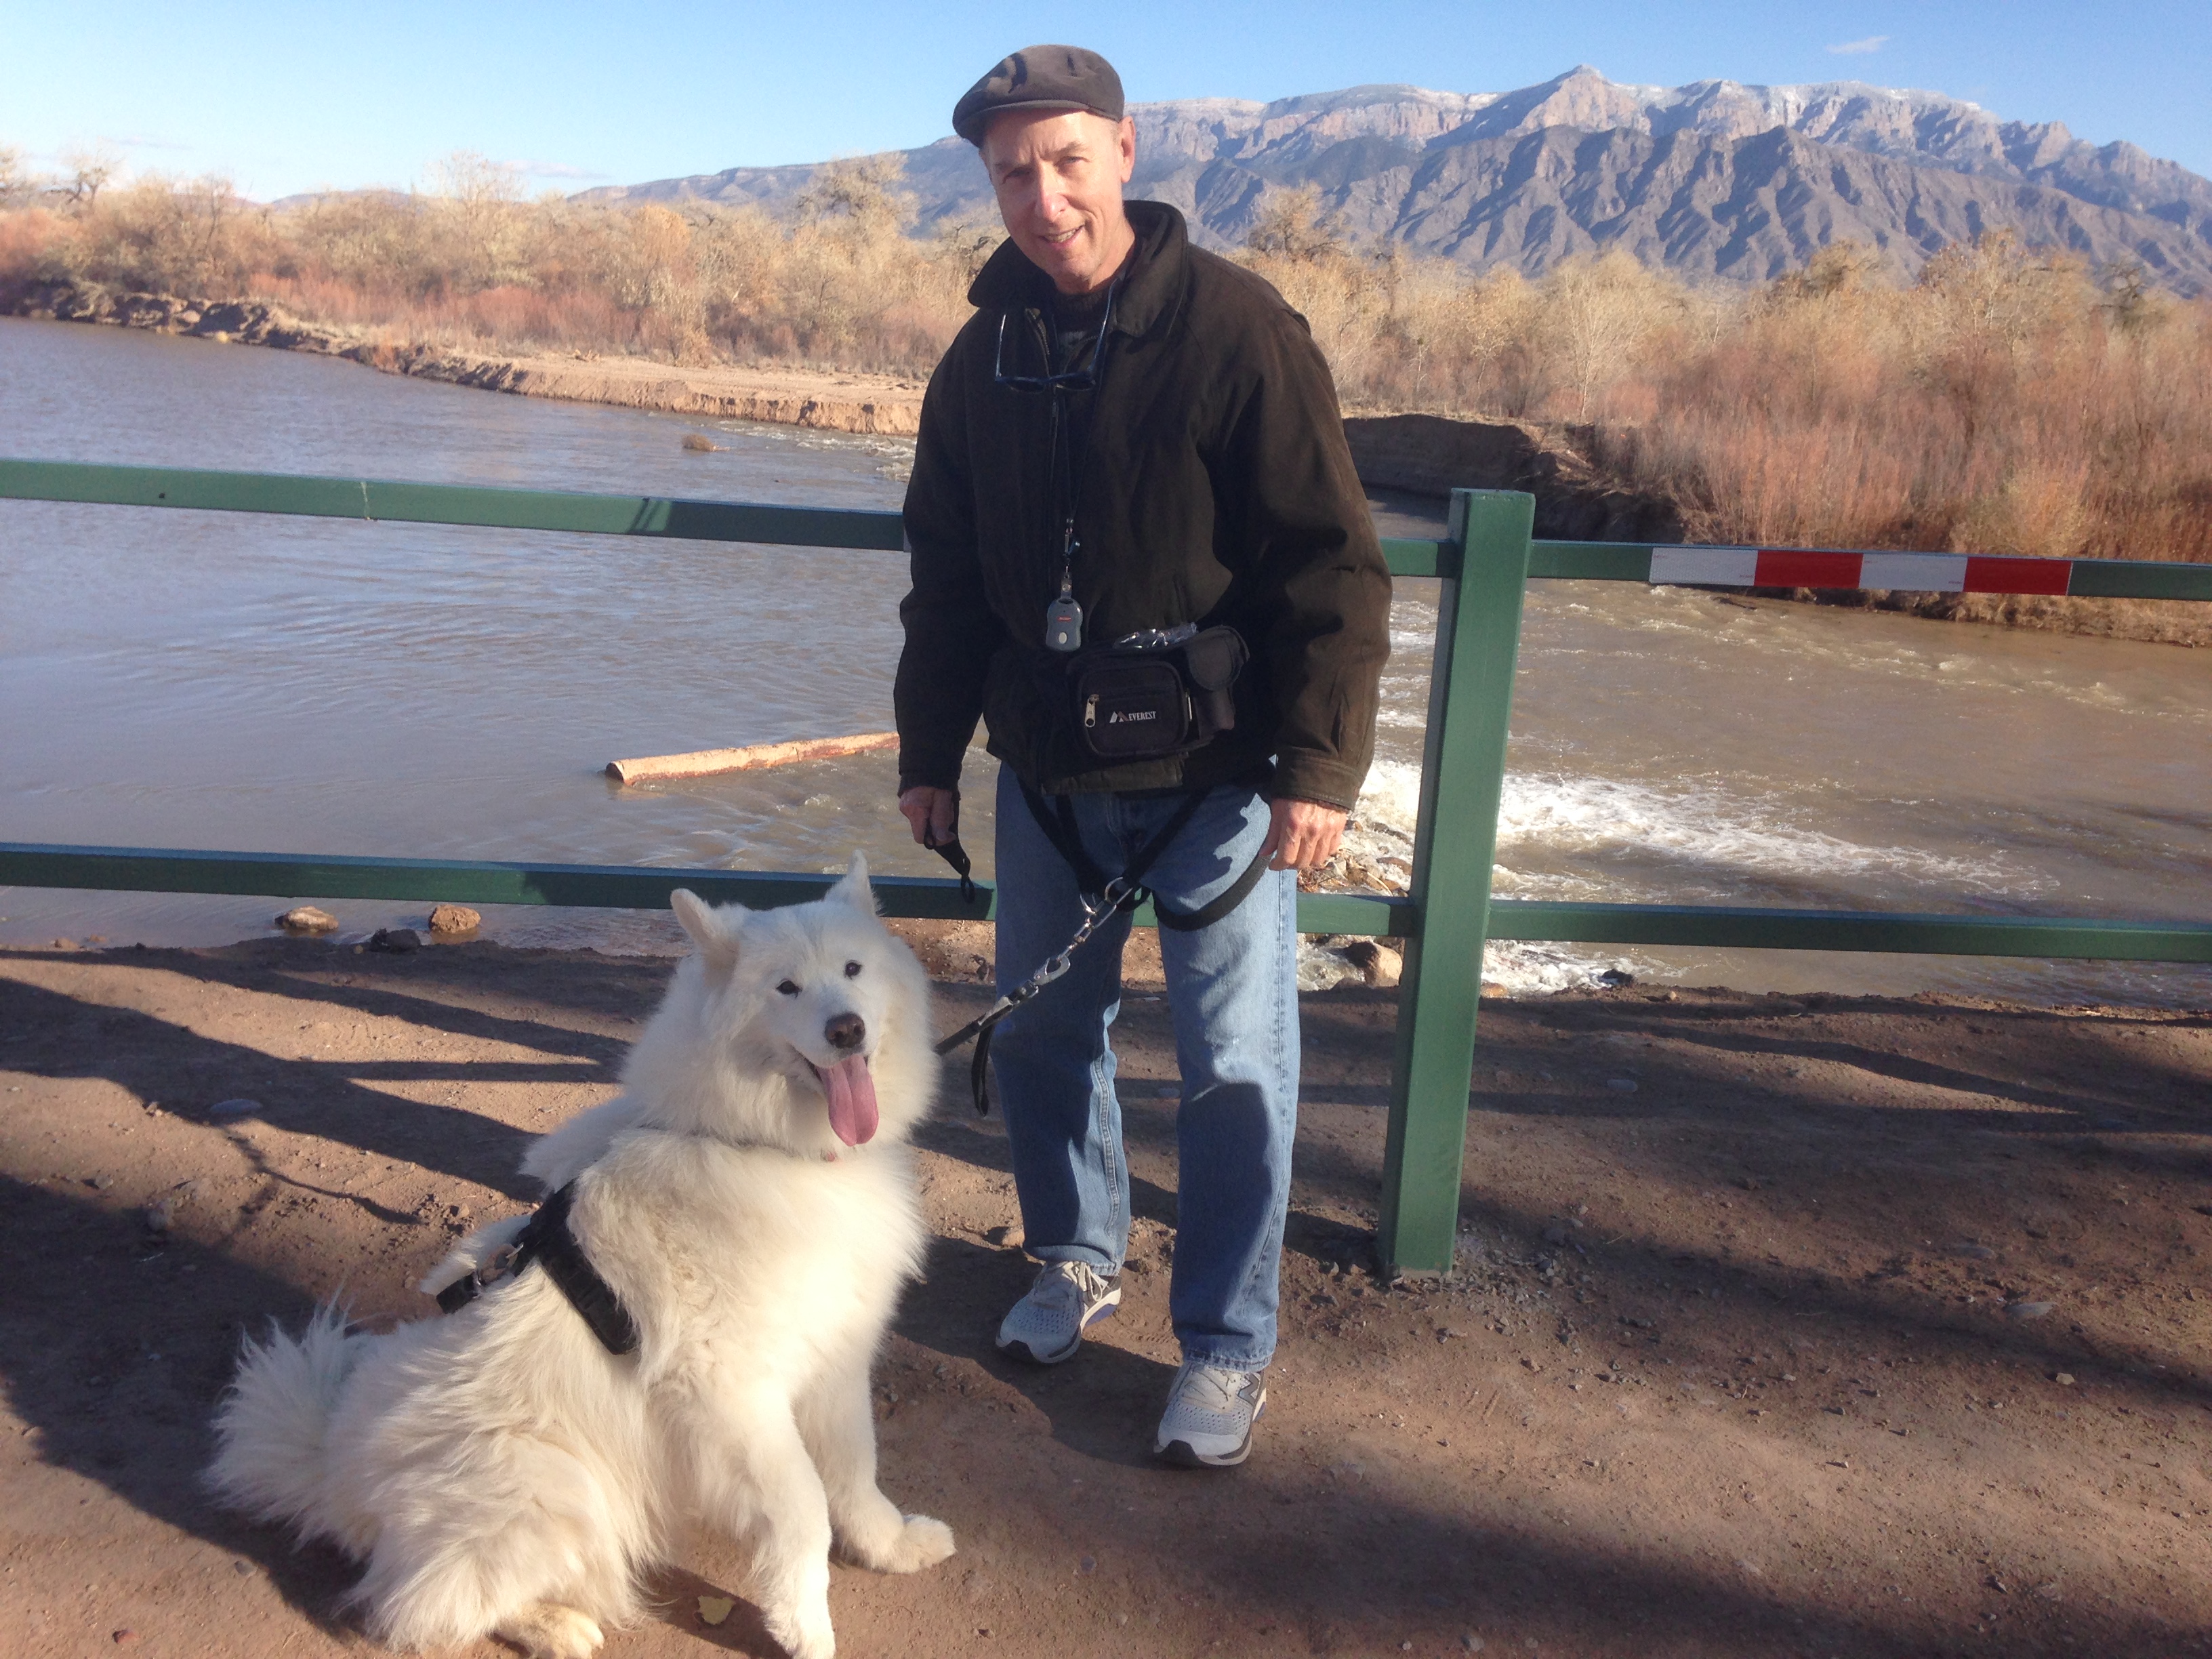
x=1484 y=560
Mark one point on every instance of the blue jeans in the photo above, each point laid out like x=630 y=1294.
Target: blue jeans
x=1232 y=989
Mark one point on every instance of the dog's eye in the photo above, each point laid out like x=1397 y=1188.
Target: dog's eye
x=852 y=970
x=786 y=989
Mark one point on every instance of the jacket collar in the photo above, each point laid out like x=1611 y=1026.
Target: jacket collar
x=1150 y=292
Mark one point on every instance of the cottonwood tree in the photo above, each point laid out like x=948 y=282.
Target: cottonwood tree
x=1597 y=315
x=850 y=264
x=481 y=201
x=16 y=184
x=1292 y=225
x=1839 y=271
x=86 y=173
x=861 y=191
x=193 y=236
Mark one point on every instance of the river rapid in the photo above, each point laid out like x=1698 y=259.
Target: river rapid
x=220 y=680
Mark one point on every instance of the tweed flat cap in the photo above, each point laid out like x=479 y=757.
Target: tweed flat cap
x=1041 y=78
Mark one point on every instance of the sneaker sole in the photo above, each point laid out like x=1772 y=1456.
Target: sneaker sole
x=1179 y=1454
x=1020 y=1350
x=1183 y=1455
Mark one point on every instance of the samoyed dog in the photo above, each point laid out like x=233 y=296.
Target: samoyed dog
x=750 y=1201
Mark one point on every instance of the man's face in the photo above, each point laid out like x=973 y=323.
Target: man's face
x=1059 y=180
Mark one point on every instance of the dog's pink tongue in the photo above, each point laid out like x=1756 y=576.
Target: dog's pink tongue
x=852 y=1100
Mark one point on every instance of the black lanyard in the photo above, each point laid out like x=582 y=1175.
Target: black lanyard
x=1063 y=617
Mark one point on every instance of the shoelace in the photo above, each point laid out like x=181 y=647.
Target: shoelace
x=1060 y=1292
x=1217 y=1390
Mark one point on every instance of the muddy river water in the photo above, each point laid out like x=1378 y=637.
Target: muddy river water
x=185 y=680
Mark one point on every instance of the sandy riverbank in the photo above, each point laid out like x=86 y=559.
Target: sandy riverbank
x=1728 y=1369
x=875 y=405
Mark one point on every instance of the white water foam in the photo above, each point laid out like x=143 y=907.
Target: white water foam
x=1730 y=839
x=1562 y=836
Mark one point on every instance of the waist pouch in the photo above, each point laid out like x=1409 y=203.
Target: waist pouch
x=1147 y=701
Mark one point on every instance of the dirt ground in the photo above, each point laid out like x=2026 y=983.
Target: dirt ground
x=1783 y=1326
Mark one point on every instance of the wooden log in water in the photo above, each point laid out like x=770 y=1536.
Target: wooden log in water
x=704 y=761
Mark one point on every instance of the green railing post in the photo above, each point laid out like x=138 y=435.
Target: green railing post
x=1455 y=839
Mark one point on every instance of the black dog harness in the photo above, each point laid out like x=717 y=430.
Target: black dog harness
x=547 y=1242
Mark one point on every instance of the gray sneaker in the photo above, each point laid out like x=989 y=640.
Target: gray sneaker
x=1210 y=1415
x=1046 y=1326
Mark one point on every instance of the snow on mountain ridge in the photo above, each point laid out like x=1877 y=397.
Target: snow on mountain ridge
x=1713 y=179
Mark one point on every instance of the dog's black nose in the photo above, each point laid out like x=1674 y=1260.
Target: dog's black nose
x=845 y=1032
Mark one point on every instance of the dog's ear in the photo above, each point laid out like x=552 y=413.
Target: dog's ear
x=717 y=941
x=854 y=891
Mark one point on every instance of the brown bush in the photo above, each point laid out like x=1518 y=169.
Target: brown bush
x=2004 y=403
x=2007 y=401
x=470 y=264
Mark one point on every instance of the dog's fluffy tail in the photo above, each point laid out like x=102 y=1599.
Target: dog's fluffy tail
x=270 y=1460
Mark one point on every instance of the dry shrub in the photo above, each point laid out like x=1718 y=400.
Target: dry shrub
x=2005 y=402
x=193 y=235
x=1405 y=332
x=16 y=184
x=468 y=263
x=29 y=238
x=1398 y=332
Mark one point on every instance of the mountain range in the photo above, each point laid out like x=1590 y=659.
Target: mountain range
x=1712 y=180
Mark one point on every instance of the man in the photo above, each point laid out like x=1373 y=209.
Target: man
x=1132 y=435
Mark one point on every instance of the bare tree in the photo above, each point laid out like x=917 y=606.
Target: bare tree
x=483 y=197
x=1290 y=225
x=967 y=246
x=15 y=181
x=1838 y=270
x=88 y=170
x=1598 y=314
x=2132 y=305
x=862 y=189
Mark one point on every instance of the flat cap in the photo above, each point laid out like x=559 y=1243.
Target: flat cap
x=1040 y=77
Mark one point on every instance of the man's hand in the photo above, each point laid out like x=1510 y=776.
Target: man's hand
x=933 y=813
x=1303 y=833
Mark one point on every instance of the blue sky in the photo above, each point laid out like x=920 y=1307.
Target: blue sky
x=294 y=98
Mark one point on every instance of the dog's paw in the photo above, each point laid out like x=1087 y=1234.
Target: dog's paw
x=923 y=1542
x=549 y=1631
x=803 y=1636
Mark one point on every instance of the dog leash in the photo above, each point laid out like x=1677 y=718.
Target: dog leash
x=1100 y=898
x=954 y=855
x=1094 y=912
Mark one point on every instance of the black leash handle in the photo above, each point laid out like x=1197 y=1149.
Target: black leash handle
x=954 y=855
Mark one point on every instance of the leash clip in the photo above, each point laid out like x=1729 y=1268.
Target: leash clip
x=499 y=1265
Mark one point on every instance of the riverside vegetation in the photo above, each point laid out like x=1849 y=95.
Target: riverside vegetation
x=2008 y=400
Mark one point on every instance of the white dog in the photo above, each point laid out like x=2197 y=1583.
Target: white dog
x=751 y=1200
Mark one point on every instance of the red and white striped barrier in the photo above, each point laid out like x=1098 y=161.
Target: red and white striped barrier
x=1917 y=573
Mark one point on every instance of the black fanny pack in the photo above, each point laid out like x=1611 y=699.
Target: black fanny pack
x=1156 y=694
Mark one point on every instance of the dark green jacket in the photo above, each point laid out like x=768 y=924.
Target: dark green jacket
x=1214 y=487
